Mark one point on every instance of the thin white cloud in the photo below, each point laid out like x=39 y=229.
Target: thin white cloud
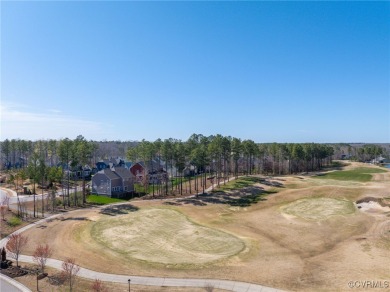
x=54 y=111
x=18 y=122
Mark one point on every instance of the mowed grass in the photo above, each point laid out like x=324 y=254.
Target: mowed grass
x=103 y=200
x=165 y=236
x=237 y=184
x=361 y=174
x=242 y=192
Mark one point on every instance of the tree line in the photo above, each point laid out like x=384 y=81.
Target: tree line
x=47 y=163
x=363 y=153
x=16 y=153
x=219 y=157
x=191 y=164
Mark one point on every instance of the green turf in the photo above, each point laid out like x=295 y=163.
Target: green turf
x=102 y=200
x=361 y=174
x=239 y=183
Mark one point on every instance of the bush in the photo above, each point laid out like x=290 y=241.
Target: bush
x=14 y=221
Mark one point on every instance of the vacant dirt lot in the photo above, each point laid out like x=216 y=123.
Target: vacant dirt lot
x=297 y=251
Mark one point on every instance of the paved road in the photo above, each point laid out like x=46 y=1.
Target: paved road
x=10 y=285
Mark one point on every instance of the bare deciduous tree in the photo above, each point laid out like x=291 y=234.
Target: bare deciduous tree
x=15 y=245
x=98 y=286
x=3 y=211
x=23 y=208
x=70 y=271
x=41 y=254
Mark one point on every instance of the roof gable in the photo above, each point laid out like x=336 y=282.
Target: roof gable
x=122 y=172
x=110 y=174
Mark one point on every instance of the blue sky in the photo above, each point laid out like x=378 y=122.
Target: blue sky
x=266 y=71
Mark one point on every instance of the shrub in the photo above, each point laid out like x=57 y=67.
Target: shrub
x=14 y=221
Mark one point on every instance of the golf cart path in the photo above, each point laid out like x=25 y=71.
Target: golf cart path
x=156 y=281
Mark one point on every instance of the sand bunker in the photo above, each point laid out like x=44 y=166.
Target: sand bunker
x=370 y=204
x=318 y=208
x=372 y=207
x=165 y=236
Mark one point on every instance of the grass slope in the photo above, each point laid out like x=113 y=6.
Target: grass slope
x=242 y=182
x=361 y=174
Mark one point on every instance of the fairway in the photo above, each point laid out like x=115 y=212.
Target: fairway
x=360 y=174
x=164 y=236
x=318 y=208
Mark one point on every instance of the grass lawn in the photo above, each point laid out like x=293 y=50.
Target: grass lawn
x=237 y=184
x=361 y=174
x=242 y=192
x=102 y=200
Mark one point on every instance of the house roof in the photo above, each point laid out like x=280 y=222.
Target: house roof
x=155 y=165
x=122 y=172
x=109 y=173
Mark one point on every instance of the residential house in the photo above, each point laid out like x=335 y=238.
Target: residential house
x=189 y=170
x=112 y=182
x=109 y=163
x=100 y=165
x=137 y=169
x=127 y=178
x=156 y=172
x=87 y=171
x=378 y=160
x=128 y=164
